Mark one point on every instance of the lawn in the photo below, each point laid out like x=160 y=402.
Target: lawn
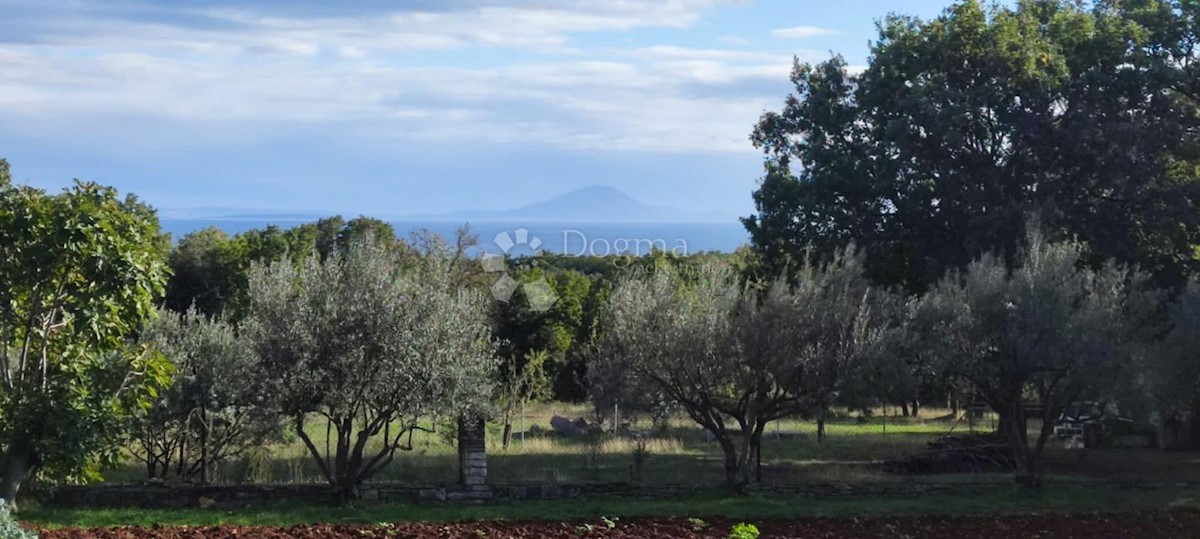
x=679 y=454
x=750 y=507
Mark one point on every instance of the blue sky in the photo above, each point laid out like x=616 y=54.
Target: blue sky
x=401 y=107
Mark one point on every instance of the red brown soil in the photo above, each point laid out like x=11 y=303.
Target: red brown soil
x=1175 y=524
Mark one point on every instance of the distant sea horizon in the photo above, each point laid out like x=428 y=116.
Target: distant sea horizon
x=571 y=238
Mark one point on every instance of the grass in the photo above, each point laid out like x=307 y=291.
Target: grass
x=1053 y=499
x=679 y=454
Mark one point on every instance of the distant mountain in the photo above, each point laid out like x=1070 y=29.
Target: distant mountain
x=595 y=203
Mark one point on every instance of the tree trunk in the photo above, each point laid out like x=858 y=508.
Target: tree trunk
x=904 y=408
x=733 y=475
x=757 y=444
x=203 y=446
x=507 y=438
x=1028 y=462
x=347 y=487
x=916 y=408
x=821 y=430
x=18 y=462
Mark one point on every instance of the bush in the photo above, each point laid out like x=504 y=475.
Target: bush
x=743 y=531
x=10 y=528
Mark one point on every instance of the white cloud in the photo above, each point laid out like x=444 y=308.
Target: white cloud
x=372 y=77
x=803 y=32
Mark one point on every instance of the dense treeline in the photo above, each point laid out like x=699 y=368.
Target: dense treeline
x=960 y=127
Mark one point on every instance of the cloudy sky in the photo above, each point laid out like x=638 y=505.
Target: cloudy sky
x=396 y=107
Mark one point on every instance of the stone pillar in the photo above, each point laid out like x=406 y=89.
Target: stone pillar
x=472 y=456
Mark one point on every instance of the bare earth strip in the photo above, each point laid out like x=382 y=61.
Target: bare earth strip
x=1158 y=524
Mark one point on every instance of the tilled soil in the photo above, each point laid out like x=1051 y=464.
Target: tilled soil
x=1175 y=524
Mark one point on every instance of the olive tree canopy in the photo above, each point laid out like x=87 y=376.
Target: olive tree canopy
x=367 y=348
x=1046 y=333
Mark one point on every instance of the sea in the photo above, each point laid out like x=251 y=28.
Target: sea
x=516 y=238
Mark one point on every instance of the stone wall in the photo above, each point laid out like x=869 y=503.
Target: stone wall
x=163 y=496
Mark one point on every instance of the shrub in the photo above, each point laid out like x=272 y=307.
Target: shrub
x=743 y=531
x=10 y=528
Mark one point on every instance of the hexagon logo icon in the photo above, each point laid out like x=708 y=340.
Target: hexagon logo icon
x=539 y=293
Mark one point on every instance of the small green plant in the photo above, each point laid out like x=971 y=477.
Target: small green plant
x=585 y=529
x=10 y=528
x=610 y=522
x=698 y=524
x=743 y=531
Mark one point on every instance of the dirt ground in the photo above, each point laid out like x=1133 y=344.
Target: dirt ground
x=1162 y=524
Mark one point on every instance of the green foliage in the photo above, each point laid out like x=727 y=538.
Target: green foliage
x=962 y=126
x=213 y=411
x=1170 y=367
x=1046 y=331
x=81 y=271
x=10 y=528
x=743 y=531
x=210 y=268
x=736 y=358
x=370 y=345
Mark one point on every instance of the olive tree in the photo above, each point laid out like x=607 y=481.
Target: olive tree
x=842 y=336
x=368 y=348
x=1171 y=371
x=681 y=336
x=80 y=271
x=1048 y=329
x=736 y=358
x=519 y=383
x=213 y=411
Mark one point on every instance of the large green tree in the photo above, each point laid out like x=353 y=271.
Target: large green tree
x=1046 y=333
x=960 y=127
x=80 y=272
x=369 y=349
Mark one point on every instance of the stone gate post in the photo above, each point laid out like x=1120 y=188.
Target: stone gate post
x=472 y=456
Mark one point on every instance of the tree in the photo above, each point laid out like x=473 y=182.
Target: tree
x=199 y=277
x=370 y=347
x=81 y=270
x=560 y=331
x=213 y=411
x=1171 y=370
x=682 y=339
x=842 y=336
x=1047 y=329
x=962 y=126
x=735 y=358
x=521 y=380
x=209 y=268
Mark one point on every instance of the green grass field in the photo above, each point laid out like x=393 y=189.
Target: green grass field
x=683 y=454
x=1053 y=499
x=680 y=454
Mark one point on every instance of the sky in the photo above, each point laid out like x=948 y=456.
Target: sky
x=388 y=108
